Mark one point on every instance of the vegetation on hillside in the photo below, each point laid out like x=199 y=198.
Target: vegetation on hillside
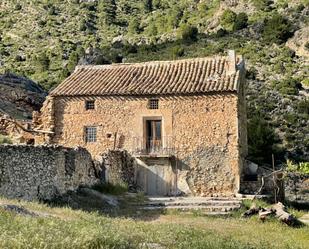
x=44 y=40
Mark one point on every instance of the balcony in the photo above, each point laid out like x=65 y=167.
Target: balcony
x=148 y=147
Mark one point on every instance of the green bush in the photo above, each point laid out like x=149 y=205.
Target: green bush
x=177 y=51
x=288 y=86
x=221 y=33
x=231 y=21
x=277 y=29
x=107 y=10
x=303 y=107
x=134 y=26
x=42 y=62
x=188 y=33
x=302 y=167
x=5 y=140
x=228 y=19
x=241 y=21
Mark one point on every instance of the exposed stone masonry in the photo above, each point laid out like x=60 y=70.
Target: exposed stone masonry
x=43 y=172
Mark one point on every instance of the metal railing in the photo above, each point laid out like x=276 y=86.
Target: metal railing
x=150 y=146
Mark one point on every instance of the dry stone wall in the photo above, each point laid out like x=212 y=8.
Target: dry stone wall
x=120 y=168
x=43 y=172
x=297 y=187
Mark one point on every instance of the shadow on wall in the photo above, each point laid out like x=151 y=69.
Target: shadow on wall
x=206 y=172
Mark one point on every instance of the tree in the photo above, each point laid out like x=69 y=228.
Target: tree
x=108 y=10
x=134 y=27
x=73 y=60
x=148 y=5
x=261 y=139
x=42 y=62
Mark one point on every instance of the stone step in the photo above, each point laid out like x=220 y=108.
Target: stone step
x=195 y=203
x=211 y=205
x=207 y=209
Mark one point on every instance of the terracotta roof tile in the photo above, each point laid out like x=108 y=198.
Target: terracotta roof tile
x=198 y=75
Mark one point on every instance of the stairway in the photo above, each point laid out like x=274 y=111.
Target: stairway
x=208 y=205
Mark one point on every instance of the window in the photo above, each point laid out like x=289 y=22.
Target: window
x=90 y=134
x=153 y=104
x=90 y=105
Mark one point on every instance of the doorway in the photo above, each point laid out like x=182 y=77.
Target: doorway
x=153 y=134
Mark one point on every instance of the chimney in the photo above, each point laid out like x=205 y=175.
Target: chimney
x=231 y=62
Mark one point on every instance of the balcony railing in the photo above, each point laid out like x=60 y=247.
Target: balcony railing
x=155 y=147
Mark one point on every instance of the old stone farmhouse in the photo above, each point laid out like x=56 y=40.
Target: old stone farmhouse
x=183 y=121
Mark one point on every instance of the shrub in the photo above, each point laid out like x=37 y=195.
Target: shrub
x=108 y=10
x=148 y=6
x=18 y=6
x=303 y=107
x=307 y=45
x=5 y=140
x=228 y=19
x=302 y=167
x=241 y=21
x=177 y=51
x=287 y=86
x=221 y=33
x=134 y=26
x=231 y=21
x=277 y=29
x=42 y=62
x=188 y=33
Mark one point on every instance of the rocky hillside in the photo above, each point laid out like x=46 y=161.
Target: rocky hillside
x=44 y=40
x=20 y=96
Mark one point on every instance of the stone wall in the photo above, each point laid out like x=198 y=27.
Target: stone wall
x=120 y=168
x=297 y=188
x=205 y=131
x=43 y=172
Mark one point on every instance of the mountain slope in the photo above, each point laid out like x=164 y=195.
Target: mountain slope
x=44 y=40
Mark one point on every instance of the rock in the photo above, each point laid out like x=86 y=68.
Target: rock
x=151 y=246
x=18 y=210
x=20 y=96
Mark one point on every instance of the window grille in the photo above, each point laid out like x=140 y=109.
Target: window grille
x=91 y=134
x=90 y=105
x=153 y=104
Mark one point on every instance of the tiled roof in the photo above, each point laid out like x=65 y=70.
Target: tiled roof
x=201 y=75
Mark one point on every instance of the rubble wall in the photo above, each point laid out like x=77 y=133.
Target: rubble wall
x=43 y=172
x=205 y=131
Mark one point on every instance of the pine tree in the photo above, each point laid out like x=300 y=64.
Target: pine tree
x=108 y=10
x=148 y=5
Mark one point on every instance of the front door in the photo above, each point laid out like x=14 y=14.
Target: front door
x=153 y=136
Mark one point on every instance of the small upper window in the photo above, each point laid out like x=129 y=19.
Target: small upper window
x=90 y=105
x=90 y=134
x=153 y=104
